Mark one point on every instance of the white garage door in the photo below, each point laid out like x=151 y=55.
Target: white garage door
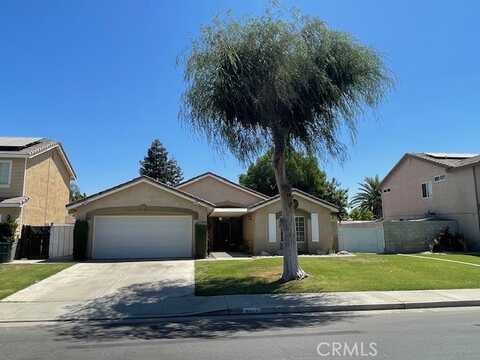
x=142 y=237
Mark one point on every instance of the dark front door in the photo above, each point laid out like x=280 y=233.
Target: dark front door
x=222 y=235
x=227 y=234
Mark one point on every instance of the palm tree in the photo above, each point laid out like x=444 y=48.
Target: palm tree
x=279 y=83
x=369 y=196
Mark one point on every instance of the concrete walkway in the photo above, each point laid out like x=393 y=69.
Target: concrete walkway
x=150 y=304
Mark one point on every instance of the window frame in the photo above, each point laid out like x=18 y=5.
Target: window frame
x=429 y=190
x=304 y=228
x=9 y=183
x=441 y=178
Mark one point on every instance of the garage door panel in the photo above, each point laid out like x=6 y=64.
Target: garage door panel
x=119 y=237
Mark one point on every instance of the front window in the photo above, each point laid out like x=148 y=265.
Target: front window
x=300 y=228
x=5 y=173
x=426 y=190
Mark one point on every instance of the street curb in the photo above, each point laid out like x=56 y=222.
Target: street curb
x=358 y=307
x=271 y=310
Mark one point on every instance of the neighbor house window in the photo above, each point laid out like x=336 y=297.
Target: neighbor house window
x=300 y=228
x=5 y=172
x=427 y=190
x=439 y=178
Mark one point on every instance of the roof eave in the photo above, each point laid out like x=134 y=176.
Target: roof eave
x=126 y=185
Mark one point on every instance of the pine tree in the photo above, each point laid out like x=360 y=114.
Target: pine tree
x=158 y=166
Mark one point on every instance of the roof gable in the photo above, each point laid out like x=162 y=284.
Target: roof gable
x=28 y=148
x=134 y=182
x=300 y=194
x=220 y=190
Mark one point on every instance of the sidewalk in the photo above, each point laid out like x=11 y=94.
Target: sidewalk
x=115 y=309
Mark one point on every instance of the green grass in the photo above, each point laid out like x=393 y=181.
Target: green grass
x=16 y=277
x=366 y=272
x=473 y=258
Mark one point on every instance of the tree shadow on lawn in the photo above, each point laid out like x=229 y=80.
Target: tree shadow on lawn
x=244 y=285
x=81 y=321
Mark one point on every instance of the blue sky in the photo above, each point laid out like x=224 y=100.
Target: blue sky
x=101 y=77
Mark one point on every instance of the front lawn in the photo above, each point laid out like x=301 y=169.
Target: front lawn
x=473 y=258
x=16 y=277
x=363 y=272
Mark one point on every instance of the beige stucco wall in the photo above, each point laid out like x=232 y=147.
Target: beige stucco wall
x=47 y=185
x=452 y=199
x=16 y=183
x=219 y=193
x=140 y=199
x=256 y=228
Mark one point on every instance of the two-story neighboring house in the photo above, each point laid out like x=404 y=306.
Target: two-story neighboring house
x=35 y=176
x=435 y=184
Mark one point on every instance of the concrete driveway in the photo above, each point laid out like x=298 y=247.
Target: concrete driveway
x=100 y=290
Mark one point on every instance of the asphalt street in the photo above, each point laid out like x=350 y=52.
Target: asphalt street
x=402 y=334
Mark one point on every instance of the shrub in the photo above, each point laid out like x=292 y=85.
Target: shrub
x=446 y=241
x=80 y=239
x=8 y=230
x=201 y=244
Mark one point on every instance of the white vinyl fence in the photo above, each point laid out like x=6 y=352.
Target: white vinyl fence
x=61 y=241
x=361 y=236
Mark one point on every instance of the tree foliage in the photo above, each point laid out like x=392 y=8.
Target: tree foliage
x=250 y=81
x=75 y=193
x=358 y=214
x=159 y=166
x=369 y=196
x=303 y=173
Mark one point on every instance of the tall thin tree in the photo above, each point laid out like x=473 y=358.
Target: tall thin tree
x=279 y=82
x=159 y=166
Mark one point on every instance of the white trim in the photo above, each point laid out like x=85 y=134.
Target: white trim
x=296 y=193
x=315 y=227
x=192 y=249
x=228 y=212
x=9 y=183
x=272 y=228
x=429 y=188
x=138 y=181
x=223 y=181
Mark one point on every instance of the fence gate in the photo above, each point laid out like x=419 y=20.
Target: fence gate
x=34 y=242
x=361 y=236
x=61 y=241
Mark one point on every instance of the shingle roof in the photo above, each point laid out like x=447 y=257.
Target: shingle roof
x=137 y=180
x=32 y=148
x=29 y=147
x=234 y=184
x=449 y=161
x=445 y=159
x=298 y=192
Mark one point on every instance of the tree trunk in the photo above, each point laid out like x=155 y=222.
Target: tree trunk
x=291 y=268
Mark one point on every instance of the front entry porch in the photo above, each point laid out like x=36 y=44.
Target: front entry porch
x=225 y=230
x=225 y=234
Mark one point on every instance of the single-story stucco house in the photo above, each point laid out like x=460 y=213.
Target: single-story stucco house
x=144 y=218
